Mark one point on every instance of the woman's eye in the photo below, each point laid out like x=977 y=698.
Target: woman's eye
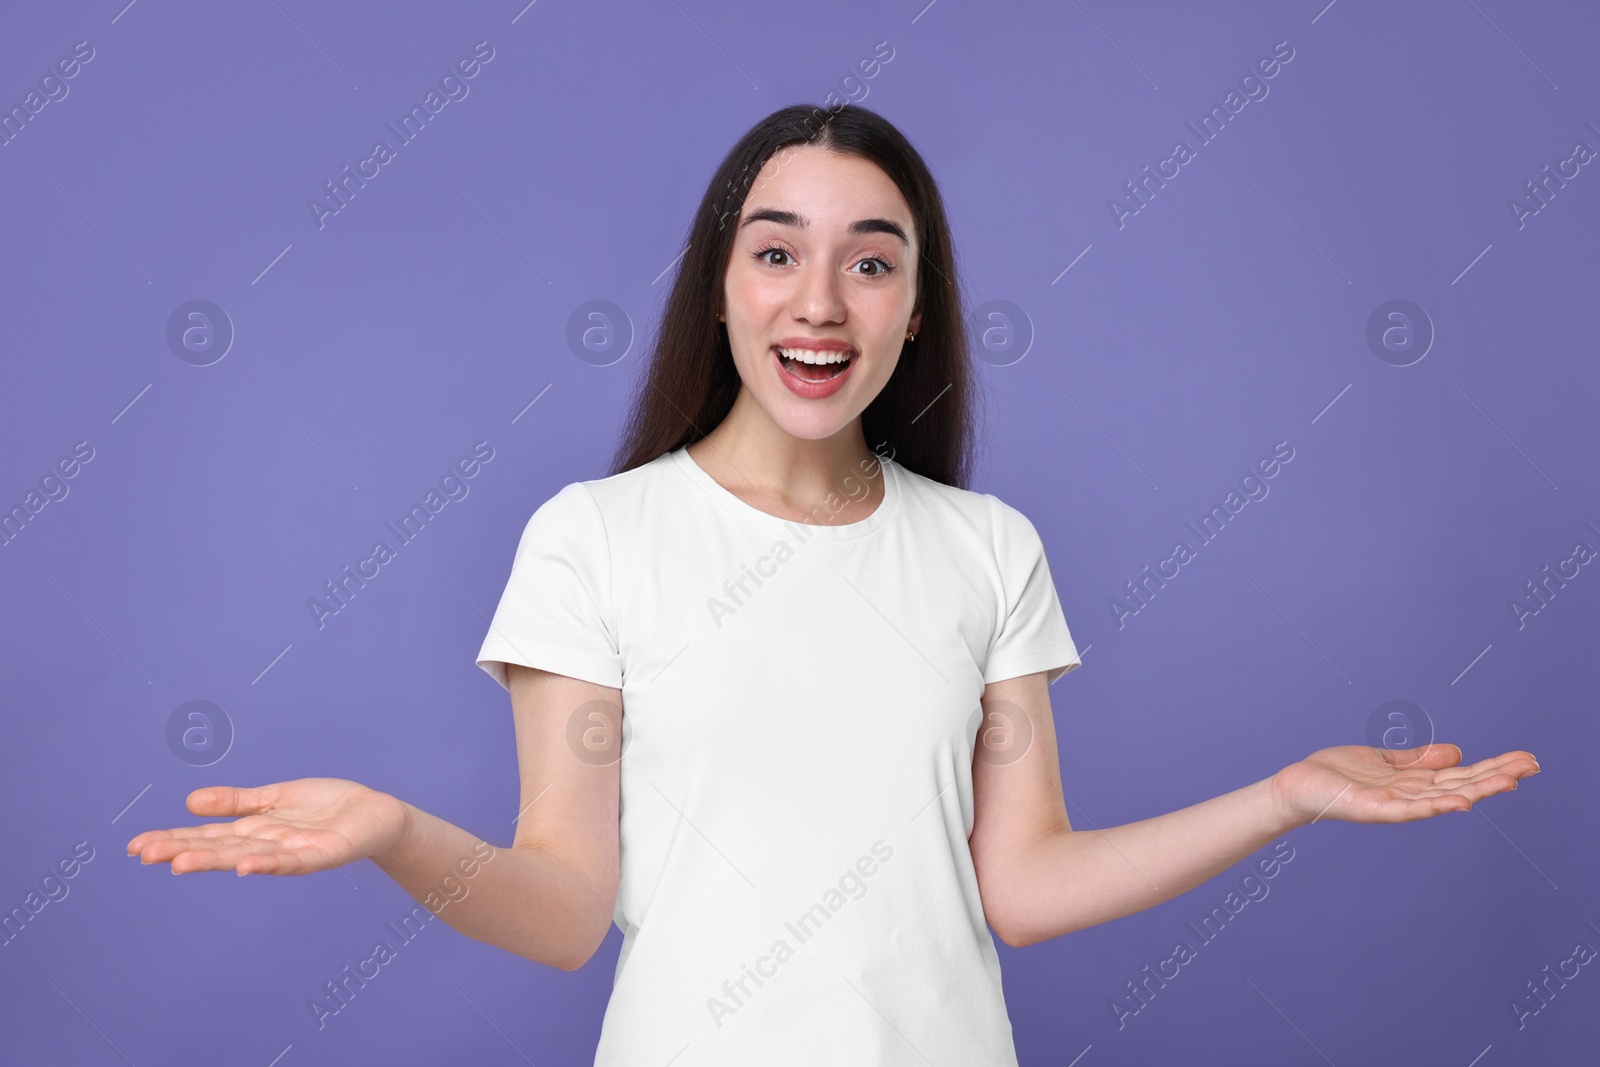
x=883 y=266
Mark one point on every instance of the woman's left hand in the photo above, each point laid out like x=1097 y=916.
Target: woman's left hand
x=1359 y=783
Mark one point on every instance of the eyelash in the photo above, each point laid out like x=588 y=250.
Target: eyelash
x=888 y=268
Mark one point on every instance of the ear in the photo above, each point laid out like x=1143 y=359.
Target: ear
x=915 y=326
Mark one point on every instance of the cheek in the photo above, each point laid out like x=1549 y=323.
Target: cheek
x=885 y=369
x=752 y=363
x=754 y=312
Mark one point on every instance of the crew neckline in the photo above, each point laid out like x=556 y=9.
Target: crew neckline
x=748 y=513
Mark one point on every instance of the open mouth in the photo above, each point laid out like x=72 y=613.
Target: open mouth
x=811 y=365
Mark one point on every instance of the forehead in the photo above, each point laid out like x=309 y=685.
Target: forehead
x=828 y=189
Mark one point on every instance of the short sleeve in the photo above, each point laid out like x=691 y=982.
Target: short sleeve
x=1032 y=633
x=555 y=612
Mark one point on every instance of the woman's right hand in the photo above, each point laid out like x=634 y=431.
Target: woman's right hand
x=296 y=827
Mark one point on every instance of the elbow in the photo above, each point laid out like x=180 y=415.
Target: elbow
x=1013 y=935
x=594 y=930
x=567 y=956
x=1022 y=898
x=582 y=951
x=1005 y=923
x=572 y=957
x=1019 y=942
x=579 y=912
x=1021 y=935
x=1006 y=909
x=1011 y=940
x=571 y=963
x=1021 y=920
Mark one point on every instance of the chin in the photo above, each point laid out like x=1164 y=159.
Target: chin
x=810 y=428
x=807 y=420
x=817 y=419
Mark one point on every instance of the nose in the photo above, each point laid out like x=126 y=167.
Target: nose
x=817 y=300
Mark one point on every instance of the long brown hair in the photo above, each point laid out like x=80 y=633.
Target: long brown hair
x=924 y=415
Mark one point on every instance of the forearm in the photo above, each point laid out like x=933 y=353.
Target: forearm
x=1071 y=879
x=522 y=899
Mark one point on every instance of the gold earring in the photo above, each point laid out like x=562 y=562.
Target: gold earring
x=910 y=336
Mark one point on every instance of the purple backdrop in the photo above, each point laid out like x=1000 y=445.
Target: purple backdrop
x=1371 y=259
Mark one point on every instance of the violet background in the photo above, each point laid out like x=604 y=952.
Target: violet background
x=1230 y=313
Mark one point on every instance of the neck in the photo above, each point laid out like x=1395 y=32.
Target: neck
x=775 y=471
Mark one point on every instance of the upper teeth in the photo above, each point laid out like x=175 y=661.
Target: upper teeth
x=813 y=355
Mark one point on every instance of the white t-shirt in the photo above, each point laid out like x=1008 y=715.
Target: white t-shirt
x=800 y=704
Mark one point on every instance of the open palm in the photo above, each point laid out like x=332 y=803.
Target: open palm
x=1359 y=783
x=295 y=827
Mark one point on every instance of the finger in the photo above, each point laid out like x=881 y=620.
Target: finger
x=283 y=861
x=205 y=829
x=1410 y=809
x=1420 y=788
x=168 y=847
x=1502 y=775
x=1458 y=797
x=1488 y=787
x=1473 y=788
x=232 y=801
x=219 y=858
x=1518 y=764
x=163 y=850
x=1435 y=756
x=210 y=829
x=139 y=841
x=150 y=837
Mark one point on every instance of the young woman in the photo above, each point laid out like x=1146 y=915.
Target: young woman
x=837 y=770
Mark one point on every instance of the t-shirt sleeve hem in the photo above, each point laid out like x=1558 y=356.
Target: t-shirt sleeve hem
x=1058 y=659
x=495 y=654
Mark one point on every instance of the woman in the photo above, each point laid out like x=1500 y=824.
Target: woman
x=799 y=825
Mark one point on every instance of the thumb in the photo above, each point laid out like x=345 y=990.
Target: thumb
x=1432 y=757
x=231 y=800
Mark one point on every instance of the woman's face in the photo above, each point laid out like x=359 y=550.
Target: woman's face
x=825 y=256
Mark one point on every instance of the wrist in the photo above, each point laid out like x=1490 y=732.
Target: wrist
x=1286 y=813
x=402 y=836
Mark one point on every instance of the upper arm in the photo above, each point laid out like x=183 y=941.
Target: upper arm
x=1016 y=789
x=569 y=743
x=1016 y=772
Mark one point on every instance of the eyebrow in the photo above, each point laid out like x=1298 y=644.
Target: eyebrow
x=790 y=218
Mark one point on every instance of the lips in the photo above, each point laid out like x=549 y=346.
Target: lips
x=814 y=373
x=814 y=365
